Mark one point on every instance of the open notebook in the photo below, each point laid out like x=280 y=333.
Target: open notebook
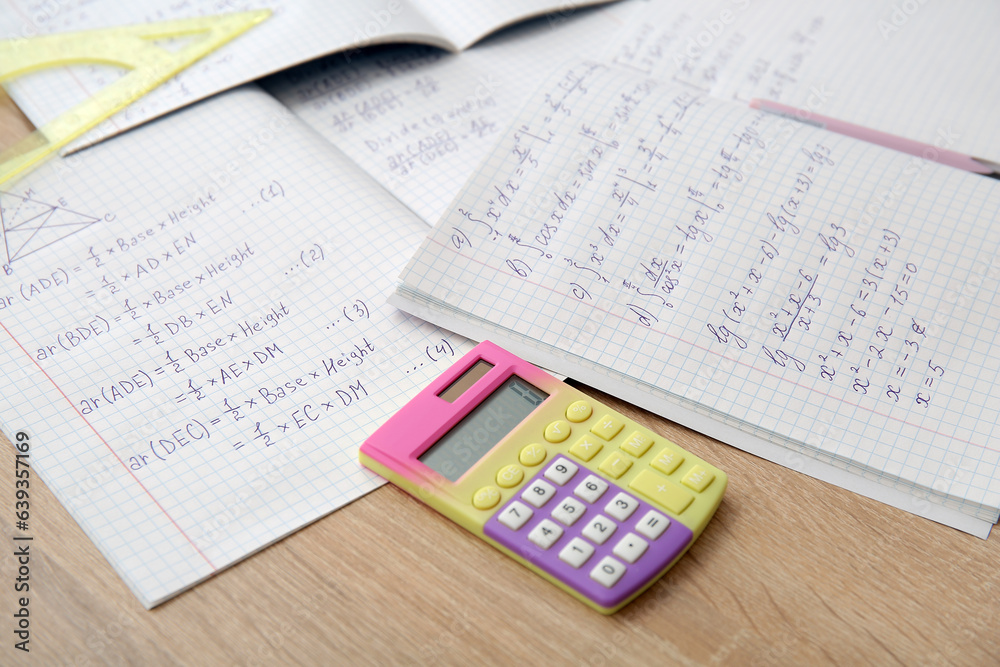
x=825 y=303
x=197 y=360
x=856 y=64
x=419 y=121
x=193 y=317
x=297 y=31
x=227 y=261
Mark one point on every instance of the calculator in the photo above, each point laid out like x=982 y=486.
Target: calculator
x=577 y=492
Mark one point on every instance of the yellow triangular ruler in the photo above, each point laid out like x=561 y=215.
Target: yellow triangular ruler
x=131 y=47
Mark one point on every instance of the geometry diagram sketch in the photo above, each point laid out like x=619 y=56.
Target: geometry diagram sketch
x=28 y=225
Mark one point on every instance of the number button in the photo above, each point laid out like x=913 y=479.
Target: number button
x=569 y=511
x=532 y=455
x=599 y=529
x=608 y=572
x=586 y=448
x=561 y=471
x=607 y=427
x=539 y=493
x=621 y=506
x=576 y=552
x=579 y=411
x=591 y=489
x=557 y=431
x=509 y=476
x=545 y=534
x=630 y=548
x=515 y=515
x=653 y=524
x=486 y=497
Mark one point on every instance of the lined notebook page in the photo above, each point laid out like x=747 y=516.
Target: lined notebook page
x=296 y=32
x=705 y=260
x=913 y=69
x=194 y=331
x=419 y=120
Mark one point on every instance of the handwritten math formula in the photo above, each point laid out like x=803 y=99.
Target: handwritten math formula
x=701 y=247
x=202 y=360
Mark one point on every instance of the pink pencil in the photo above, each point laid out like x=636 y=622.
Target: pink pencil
x=926 y=151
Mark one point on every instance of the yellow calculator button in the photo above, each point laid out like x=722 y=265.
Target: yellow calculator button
x=509 y=476
x=579 y=411
x=661 y=490
x=586 y=448
x=486 y=497
x=557 y=431
x=697 y=478
x=667 y=460
x=607 y=427
x=637 y=444
x=616 y=465
x=532 y=455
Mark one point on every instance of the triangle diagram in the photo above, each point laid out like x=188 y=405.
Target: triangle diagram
x=30 y=225
x=18 y=211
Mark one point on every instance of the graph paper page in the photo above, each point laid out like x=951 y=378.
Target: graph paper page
x=419 y=120
x=801 y=287
x=916 y=70
x=194 y=331
x=297 y=31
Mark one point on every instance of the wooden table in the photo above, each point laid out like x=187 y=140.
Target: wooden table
x=790 y=571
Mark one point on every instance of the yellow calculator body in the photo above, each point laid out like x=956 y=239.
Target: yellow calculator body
x=579 y=493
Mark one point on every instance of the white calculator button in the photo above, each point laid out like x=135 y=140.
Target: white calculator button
x=652 y=525
x=576 y=552
x=608 y=572
x=545 y=533
x=591 y=489
x=538 y=493
x=561 y=471
x=515 y=515
x=568 y=511
x=630 y=548
x=621 y=506
x=599 y=529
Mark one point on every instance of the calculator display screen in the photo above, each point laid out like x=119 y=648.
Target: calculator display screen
x=481 y=429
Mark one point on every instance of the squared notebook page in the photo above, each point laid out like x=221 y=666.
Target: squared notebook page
x=297 y=31
x=194 y=331
x=727 y=267
x=418 y=119
x=919 y=70
x=463 y=23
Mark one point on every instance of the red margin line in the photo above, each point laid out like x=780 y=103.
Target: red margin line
x=101 y=438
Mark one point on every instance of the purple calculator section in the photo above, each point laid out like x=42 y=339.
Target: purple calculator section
x=661 y=550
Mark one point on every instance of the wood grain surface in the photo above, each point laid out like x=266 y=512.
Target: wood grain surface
x=13 y=124
x=791 y=571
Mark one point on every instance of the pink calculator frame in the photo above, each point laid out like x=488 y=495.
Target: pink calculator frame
x=428 y=417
